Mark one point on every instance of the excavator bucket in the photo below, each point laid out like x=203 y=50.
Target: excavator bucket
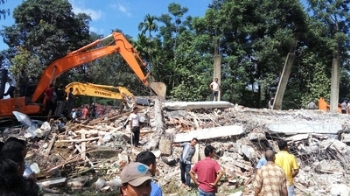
x=159 y=88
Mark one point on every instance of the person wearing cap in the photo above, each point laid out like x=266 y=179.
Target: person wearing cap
x=149 y=159
x=136 y=180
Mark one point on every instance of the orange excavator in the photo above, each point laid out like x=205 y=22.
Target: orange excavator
x=76 y=58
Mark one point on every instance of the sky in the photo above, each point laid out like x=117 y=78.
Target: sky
x=117 y=14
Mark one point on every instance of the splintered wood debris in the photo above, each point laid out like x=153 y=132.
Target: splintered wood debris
x=77 y=153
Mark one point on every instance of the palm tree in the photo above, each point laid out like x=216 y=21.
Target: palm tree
x=148 y=25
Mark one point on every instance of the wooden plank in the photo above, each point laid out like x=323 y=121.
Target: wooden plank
x=79 y=140
x=83 y=147
x=51 y=144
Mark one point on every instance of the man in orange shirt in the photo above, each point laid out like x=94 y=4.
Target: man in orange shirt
x=288 y=163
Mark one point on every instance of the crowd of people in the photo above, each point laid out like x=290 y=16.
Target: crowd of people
x=275 y=172
x=273 y=176
x=59 y=103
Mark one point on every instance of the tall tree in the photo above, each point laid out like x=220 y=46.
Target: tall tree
x=47 y=29
x=149 y=24
x=335 y=15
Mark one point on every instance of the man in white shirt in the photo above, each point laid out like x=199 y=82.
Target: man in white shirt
x=11 y=90
x=215 y=88
x=134 y=120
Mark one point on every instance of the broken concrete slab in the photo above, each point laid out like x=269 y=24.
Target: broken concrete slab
x=340 y=190
x=238 y=193
x=257 y=136
x=305 y=127
x=297 y=137
x=197 y=105
x=60 y=181
x=210 y=133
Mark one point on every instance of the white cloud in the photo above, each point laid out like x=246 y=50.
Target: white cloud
x=80 y=8
x=123 y=8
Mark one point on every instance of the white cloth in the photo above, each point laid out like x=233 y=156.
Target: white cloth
x=135 y=119
x=27 y=171
x=215 y=86
x=12 y=83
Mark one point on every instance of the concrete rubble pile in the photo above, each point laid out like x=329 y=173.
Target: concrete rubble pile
x=91 y=153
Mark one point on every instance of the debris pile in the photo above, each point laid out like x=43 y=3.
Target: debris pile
x=91 y=153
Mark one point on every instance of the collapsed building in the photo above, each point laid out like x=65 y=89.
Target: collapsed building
x=91 y=153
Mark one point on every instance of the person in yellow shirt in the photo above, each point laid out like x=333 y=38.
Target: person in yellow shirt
x=288 y=163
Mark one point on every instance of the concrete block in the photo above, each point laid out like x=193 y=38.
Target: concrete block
x=257 y=136
x=165 y=146
x=305 y=127
x=210 y=133
x=340 y=190
x=197 y=105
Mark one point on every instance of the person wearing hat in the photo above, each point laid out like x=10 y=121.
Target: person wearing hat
x=149 y=159
x=136 y=180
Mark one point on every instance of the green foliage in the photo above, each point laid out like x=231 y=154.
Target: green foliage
x=48 y=30
x=253 y=38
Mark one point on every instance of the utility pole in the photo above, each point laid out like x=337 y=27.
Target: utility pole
x=335 y=83
x=287 y=68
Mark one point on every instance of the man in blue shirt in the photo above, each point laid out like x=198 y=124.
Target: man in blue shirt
x=149 y=159
x=262 y=161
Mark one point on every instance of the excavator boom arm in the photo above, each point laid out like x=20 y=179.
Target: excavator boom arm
x=94 y=91
x=84 y=55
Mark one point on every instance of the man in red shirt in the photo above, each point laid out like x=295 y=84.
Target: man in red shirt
x=209 y=173
x=49 y=99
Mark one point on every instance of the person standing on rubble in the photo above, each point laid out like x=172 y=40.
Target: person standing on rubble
x=271 y=101
x=134 y=120
x=185 y=161
x=215 y=88
x=270 y=178
x=149 y=159
x=208 y=172
x=70 y=101
x=312 y=105
x=61 y=99
x=288 y=163
x=344 y=107
x=262 y=161
x=23 y=83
